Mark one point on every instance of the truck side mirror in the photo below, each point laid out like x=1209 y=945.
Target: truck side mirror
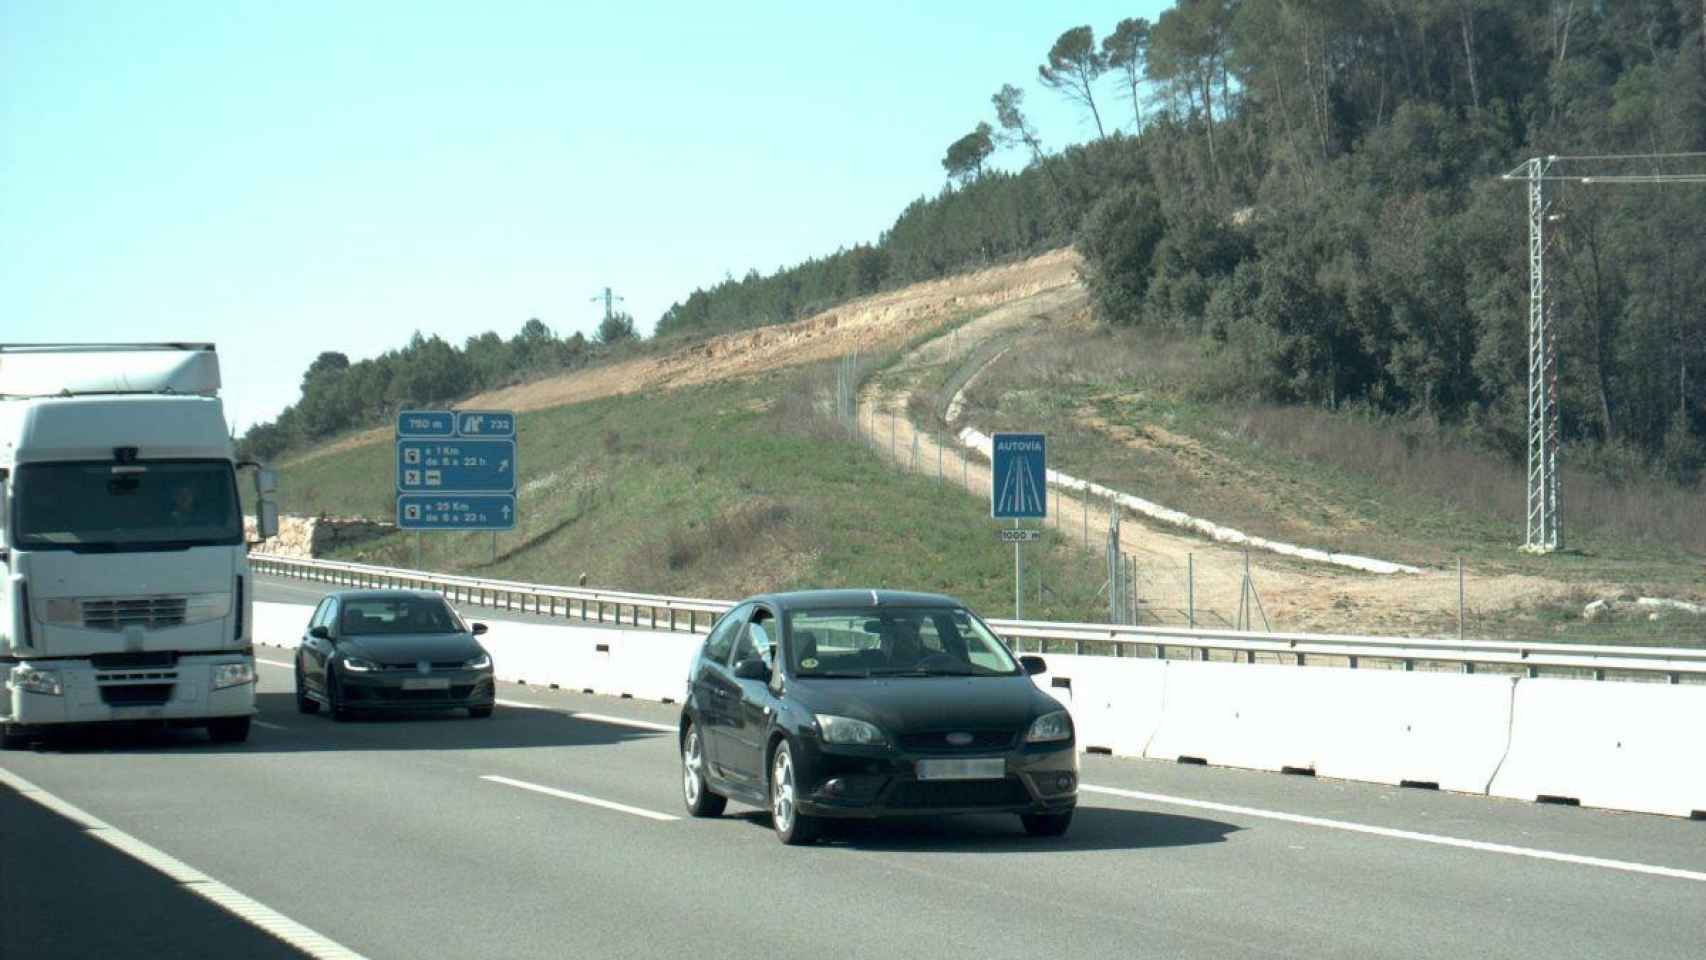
x=266 y=482
x=268 y=520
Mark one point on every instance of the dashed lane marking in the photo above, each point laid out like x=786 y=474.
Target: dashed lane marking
x=580 y=798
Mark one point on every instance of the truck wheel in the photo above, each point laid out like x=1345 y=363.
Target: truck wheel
x=13 y=737
x=228 y=729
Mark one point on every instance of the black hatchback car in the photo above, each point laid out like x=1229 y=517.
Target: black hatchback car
x=391 y=650
x=862 y=703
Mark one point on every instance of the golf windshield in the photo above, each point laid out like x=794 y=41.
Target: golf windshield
x=125 y=506
x=379 y=616
x=894 y=641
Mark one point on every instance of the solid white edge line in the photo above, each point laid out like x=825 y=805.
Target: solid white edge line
x=1393 y=834
x=243 y=907
x=580 y=798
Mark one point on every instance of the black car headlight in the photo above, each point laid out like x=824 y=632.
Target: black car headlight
x=481 y=662
x=850 y=731
x=1050 y=727
x=359 y=665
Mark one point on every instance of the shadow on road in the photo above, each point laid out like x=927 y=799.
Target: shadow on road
x=81 y=898
x=507 y=728
x=1093 y=828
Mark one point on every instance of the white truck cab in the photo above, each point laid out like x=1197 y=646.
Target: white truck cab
x=126 y=592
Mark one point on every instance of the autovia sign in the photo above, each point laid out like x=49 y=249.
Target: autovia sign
x=1020 y=488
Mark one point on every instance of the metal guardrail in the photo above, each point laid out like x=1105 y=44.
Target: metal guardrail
x=1663 y=664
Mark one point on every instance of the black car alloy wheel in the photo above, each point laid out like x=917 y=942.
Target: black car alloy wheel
x=792 y=827
x=695 y=792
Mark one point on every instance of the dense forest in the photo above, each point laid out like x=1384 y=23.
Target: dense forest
x=1313 y=188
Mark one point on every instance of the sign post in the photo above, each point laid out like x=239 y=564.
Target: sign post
x=1018 y=489
x=456 y=470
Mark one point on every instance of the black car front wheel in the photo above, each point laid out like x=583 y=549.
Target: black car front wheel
x=304 y=703
x=1046 y=824
x=334 y=705
x=792 y=827
x=695 y=791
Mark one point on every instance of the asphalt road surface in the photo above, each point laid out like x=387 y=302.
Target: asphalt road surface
x=555 y=829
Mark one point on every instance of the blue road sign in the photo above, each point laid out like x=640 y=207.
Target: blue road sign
x=460 y=466
x=426 y=423
x=456 y=511
x=1020 y=488
x=485 y=423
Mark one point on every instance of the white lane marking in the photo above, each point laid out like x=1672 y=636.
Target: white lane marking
x=276 y=663
x=580 y=798
x=271 y=726
x=1390 y=833
x=595 y=717
x=257 y=914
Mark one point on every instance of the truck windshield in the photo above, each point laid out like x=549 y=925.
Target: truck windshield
x=128 y=507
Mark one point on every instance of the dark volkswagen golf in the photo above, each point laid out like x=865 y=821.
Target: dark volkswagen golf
x=391 y=650
x=860 y=703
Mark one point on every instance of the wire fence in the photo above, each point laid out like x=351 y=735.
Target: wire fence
x=1210 y=591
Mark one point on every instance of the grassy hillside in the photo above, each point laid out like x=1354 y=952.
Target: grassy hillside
x=717 y=490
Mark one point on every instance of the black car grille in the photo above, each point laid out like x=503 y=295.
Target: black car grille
x=399 y=695
x=982 y=741
x=414 y=665
x=946 y=794
x=137 y=695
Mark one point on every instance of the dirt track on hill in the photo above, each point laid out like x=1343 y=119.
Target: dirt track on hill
x=870 y=324
x=1296 y=595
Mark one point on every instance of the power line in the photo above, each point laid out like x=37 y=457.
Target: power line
x=610 y=300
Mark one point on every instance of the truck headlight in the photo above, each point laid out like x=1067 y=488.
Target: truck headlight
x=44 y=682
x=233 y=674
x=848 y=730
x=1049 y=727
x=202 y=607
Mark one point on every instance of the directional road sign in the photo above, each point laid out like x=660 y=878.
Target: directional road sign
x=485 y=423
x=1020 y=490
x=1018 y=536
x=426 y=423
x=456 y=465
x=456 y=511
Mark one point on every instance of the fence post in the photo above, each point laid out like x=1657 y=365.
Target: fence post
x=1459 y=599
x=1191 y=590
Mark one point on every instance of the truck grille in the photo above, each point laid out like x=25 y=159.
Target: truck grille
x=117 y=614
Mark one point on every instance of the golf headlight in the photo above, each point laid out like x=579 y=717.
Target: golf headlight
x=1050 y=726
x=60 y=611
x=848 y=730
x=359 y=665
x=481 y=662
x=44 y=682
x=233 y=674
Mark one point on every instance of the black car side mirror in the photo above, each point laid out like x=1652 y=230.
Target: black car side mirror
x=320 y=633
x=752 y=669
x=476 y=628
x=1034 y=666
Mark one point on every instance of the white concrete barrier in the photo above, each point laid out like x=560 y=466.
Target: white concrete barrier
x=1115 y=702
x=280 y=624
x=1627 y=746
x=1387 y=726
x=1241 y=715
x=652 y=665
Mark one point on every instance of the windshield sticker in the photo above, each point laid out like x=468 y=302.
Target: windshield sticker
x=810 y=663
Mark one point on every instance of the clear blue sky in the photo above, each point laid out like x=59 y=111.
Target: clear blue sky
x=286 y=178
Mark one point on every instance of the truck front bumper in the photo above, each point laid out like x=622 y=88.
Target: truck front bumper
x=181 y=692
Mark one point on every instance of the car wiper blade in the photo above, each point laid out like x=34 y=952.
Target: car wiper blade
x=838 y=674
x=909 y=672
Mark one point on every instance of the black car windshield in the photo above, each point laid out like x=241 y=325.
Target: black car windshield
x=377 y=616
x=131 y=506
x=894 y=641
